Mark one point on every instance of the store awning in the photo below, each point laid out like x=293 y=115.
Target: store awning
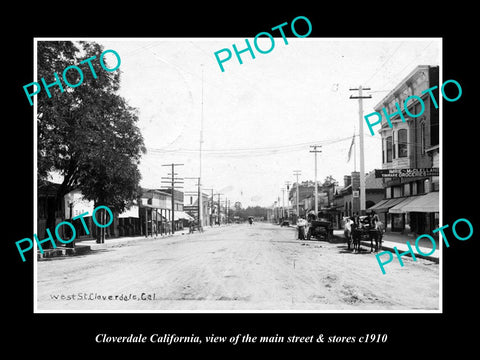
x=132 y=212
x=150 y=206
x=178 y=215
x=399 y=208
x=385 y=205
x=429 y=202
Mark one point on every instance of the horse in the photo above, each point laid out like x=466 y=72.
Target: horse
x=377 y=234
x=372 y=234
x=347 y=229
x=356 y=236
x=362 y=230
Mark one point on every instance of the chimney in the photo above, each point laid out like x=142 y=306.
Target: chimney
x=347 y=180
x=355 y=180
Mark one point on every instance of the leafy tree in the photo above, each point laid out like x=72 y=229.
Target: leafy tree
x=88 y=133
x=238 y=205
x=255 y=211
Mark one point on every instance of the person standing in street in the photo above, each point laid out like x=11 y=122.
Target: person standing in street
x=301 y=226
x=190 y=226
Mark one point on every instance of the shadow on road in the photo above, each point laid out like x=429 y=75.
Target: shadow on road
x=82 y=255
x=344 y=250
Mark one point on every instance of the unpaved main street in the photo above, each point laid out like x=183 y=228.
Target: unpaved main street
x=259 y=267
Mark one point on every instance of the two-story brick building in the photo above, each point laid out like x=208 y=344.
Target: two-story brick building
x=410 y=154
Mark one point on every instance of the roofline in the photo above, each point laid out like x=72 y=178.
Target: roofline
x=416 y=70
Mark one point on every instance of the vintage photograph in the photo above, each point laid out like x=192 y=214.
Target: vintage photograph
x=268 y=174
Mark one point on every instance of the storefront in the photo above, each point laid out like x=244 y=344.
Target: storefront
x=418 y=214
x=183 y=218
x=392 y=221
x=129 y=222
x=423 y=212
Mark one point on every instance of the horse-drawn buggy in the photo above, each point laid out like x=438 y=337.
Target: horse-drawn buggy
x=363 y=228
x=320 y=227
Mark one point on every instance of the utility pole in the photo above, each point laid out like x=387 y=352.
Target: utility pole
x=360 y=97
x=173 y=186
x=200 y=200
x=226 y=211
x=278 y=209
x=283 y=202
x=288 y=193
x=297 y=173
x=275 y=211
x=219 y=207
x=315 y=151
x=199 y=203
x=211 y=208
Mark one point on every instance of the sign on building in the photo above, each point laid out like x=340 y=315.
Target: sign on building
x=406 y=173
x=75 y=204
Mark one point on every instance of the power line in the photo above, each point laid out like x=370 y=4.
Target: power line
x=415 y=58
x=289 y=147
x=384 y=63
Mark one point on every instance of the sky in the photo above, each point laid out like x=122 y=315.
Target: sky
x=258 y=119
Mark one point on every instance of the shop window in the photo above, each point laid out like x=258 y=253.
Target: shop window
x=420 y=186
x=383 y=151
x=388 y=193
x=397 y=191
x=402 y=143
x=413 y=188
x=389 y=149
x=422 y=137
x=393 y=145
x=397 y=222
x=434 y=128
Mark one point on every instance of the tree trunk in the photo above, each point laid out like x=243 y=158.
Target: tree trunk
x=52 y=207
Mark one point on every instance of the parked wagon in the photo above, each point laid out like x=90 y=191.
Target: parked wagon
x=320 y=227
x=362 y=230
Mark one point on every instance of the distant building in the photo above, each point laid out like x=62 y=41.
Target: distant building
x=191 y=207
x=155 y=207
x=72 y=205
x=305 y=190
x=347 y=198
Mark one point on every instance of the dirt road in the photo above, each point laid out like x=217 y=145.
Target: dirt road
x=239 y=267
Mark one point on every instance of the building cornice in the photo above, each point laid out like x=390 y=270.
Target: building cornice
x=410 y=78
